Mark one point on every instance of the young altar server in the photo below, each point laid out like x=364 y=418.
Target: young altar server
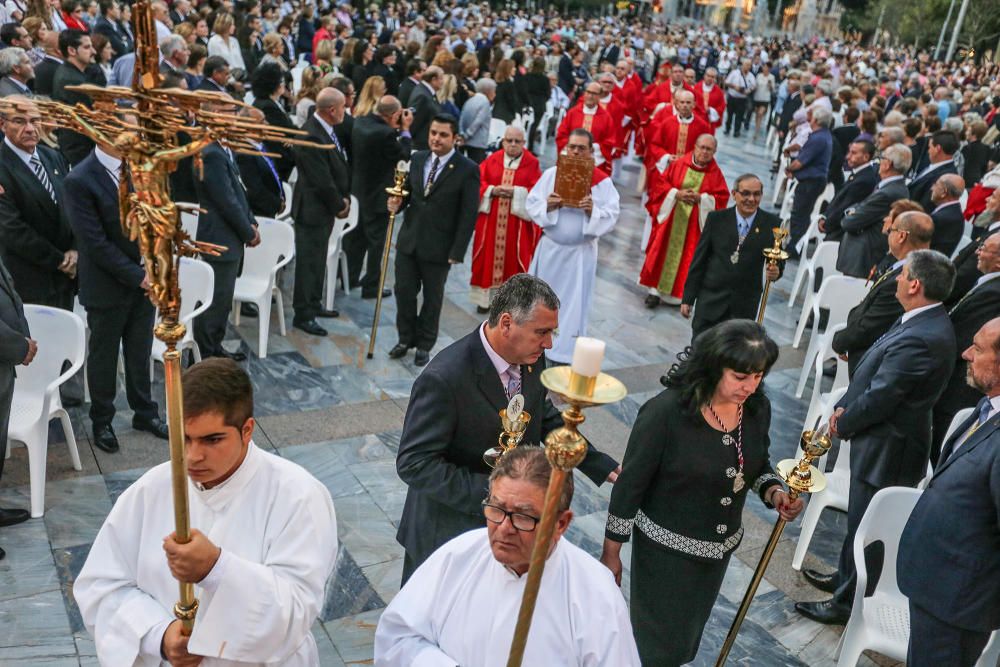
x=566 y=256
x=263 y=544
x=460 y=607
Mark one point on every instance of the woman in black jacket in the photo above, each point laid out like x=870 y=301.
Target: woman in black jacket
x=537 y=90
x=507 y=103
x=268 y=85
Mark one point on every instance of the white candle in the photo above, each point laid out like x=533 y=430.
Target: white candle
x=587 y=356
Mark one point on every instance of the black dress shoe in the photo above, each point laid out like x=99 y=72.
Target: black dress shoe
x=825 y=582
x=105 y=440
x=3 y=554
x=399 y=351
x=13 y=517
x=248 y=310
x=71 y=401
x=481 y=310
x=827 y=612
x=652 y=301
x=156 y=426
x=235 y=356
x=374 y=293
x=310 y=327
x=421 y=357
x=328 y=314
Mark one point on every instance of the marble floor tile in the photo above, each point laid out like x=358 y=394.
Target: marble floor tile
x=75 y=510
x=365 y=530
x=324 y=463
x=28 y=568
x=118 y=482
x=35 y=627
x=367 y=447
x=354 y=636
x=348 y=592
x=385 y=578
x=328 y=656
x=383 y=484
x=69 y=562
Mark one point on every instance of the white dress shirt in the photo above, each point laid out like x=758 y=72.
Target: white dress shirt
x=910 y=314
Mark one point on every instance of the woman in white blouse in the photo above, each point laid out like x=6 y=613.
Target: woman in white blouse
x=223 y=42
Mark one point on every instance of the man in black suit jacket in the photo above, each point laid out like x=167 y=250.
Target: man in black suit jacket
x=941 y=148
x=979 y=305
x=843 y=137
x=718 y=288
x=859 y=184
x=215 y=73
x=415 y=68
x=227 y=221
x=948 y=563
x=36 y=241
x=565 y=79
x=260 y=176
x=949 y=223
x=453 y=417
x=78 y=53
x=113 y=286
x=609 y=52
x=886 y=414
x=871 y=318
x=45 y=74
x=267 y=80
x=381 y=139
x=863 y=243
x=107 y=25
x=321 y=195
x=436 y=231
x=425 y=106
x=966 y=270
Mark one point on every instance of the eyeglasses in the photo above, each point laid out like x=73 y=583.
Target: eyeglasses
x=753 y=194
x=19 y=121
x=897 y=229
x=522 y=522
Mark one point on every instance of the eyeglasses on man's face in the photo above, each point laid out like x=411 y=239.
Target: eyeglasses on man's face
x=521 y=521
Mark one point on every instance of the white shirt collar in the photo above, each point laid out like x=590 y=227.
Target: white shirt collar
x=512 y=163
x=443 y=160
x=936 y=165
x=684 y=121
x=886 y=181
x=909 y=315
x=25 y=156
x=607 y=99
x=947 y=203
x=110 y=163
x=429 y=87
x=499 y=363
x=322 y=123
x=994 y=226
x=590 y=112
x=986 y=277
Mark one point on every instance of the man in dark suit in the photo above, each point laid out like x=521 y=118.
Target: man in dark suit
x=843 y=136
x=948 y=563
x=414 y=70
x=113 y=286
x=436 y=231
x=949 y=223
x=566 y=80
x=267 y=81
x=260 y=176
x=871 y=318
x=17 y=72
x=107 y=25
x=863 y=243
x=453 y=417
x=859 y=184
x=36 y=241
x=78 y=54
x=226 y=221
x=425 y=106
x=886 y=414
x=941 y=148
x=979 y=305
x=322 y=194
x=45 y=73
x=381 y=139
x=215 y=75
x=719 y=288
x=16 y=348
x=609 y=52
x=175 y=53
x=810 y=169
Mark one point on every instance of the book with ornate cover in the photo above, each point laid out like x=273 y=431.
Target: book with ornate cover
x=574 y=176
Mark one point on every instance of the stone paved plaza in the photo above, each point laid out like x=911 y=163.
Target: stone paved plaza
x=320 y=403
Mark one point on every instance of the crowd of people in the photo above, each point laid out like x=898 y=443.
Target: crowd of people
x=888 y=154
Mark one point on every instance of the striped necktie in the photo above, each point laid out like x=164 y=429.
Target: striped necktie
x=983 y=410
x=39 y=169
x=430 y=177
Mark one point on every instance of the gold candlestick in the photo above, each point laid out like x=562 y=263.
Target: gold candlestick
x=565 y=448
x=402 y=172
x=773 y=254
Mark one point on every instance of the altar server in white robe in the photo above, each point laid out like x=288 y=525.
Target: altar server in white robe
x=566 y=256
x=264 y=542
x=461 y=604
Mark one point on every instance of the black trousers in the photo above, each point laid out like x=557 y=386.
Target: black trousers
x=367 y=239
x=736 y=109
x=934 y=643
x=859 y=498
x=477 y=155
x=311 y=243
x=131 y=325
x=6 y=400
x=806 y=193
x=210 y=326
x=419 y=329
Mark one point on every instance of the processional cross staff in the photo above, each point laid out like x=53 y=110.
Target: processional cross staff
x=141 y=124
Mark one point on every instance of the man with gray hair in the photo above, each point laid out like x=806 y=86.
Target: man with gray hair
x=16 y=70
x=810 y=169
x=175 y=52
x=453 y=416
x=474 y=123
x=886 y=414
x=949 y=222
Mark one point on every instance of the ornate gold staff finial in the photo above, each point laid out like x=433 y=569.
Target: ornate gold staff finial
x=774 y=255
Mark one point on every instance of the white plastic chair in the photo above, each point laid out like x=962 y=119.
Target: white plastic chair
x=543 y=127
x=840 y=379
x=197 y=283
x=825 y=259
x=880 y=623
x=785 y=211
x=497 y=128
x=837 y=295
x=991 y=654
x=61 y=338
x=779 y=186
x=81 y=312
x=259 y=283
x=812 y=232
x=297 y=71
x=335 y=255
x=286 y=212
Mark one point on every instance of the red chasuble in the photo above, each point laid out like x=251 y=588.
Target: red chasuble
x=600 y=125
x=630 y=98
x=673 y=240
x=503 y=243
x=666 y=135
x=711 y=99
x=618 y=113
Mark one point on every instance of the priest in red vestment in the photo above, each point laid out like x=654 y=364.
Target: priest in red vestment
x=709 y=98
x=663 y=93
x=588 y=115
x=617 y=110
x=629 y=93
x=671 y=134
x=505 y=236
x=695 y=187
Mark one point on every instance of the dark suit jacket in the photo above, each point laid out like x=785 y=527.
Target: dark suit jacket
x=34 y=231
x=949 y=553
x=718 y=288
x=888 y=403
x=264 y=190
x=110 y=267
x=425 y=107
x=920 y=188
x=842 y=138
x=118 y=41
x=324 y=179
x=377 y=150
x=10 y=87
x=792 y=104
x=949 y=224
x=210 y=86
x=439 y=225
x=227 y=219
x=405 y=90
x=45 y=74
x=566 y=80
x=868 y=320
x=863 y=243
x=73 y=145
x=452 y=419
x=13 y=348
x=276 y=116
x=966 y=272
x=608 y=54
x=854 y=190
x=508 y=102
x=977 y=158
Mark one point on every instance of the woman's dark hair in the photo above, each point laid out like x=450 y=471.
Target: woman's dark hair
x=740 y=345
x=266 y=80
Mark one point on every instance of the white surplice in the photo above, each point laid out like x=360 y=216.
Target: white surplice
x=276 y=527
x=461 y=605
x=566 y=256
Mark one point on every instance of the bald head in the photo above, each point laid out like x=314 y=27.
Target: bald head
x=331 y=105
x=684 y=103
x=919 y=228
x=947 y=188
x=989 y=255
x=513 y=141
x=704 y=149
x=387 y=106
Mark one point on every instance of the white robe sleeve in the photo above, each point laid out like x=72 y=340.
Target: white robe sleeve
x=705 y=206
x=713 y=115
x=519 y=204
x=606 y=209
x=663 y=162
x=484 y=204
x=536 y=204
x=667 y=207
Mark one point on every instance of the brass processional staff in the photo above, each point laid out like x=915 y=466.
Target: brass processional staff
x=142 y=125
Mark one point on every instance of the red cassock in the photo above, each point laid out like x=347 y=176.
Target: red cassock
x=711 y=99
x=504 y=242
x=659 y=94
x=599 y=124
x=666 y=135
x=676 y=229
x=630 y=97
x=618 y=113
